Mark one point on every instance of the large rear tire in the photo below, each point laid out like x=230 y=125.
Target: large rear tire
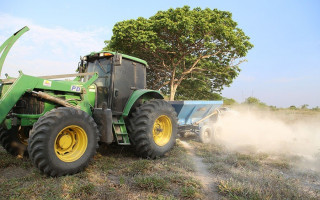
x=63 y=141
x=153 y=128
x=14 y=141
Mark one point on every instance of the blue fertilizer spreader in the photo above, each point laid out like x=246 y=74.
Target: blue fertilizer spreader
x=198 y=117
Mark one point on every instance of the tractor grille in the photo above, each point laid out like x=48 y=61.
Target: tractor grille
x=28 y=104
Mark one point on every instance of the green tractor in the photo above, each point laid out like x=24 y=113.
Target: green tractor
x=60 y=123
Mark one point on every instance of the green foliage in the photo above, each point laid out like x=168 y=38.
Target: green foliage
x=293 y=107
x=253 y=101
x=229 y=102
x=184 y=46
x=197 y=90
x=304 y=106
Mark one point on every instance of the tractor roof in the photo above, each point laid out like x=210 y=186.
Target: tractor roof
x=123 y=55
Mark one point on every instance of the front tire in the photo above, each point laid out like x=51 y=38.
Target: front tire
x=63 y=141
x=153 y=128
x=14 y=141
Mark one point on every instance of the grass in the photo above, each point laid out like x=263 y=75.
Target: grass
x=189 y=192
x=115 y=173
x=236 y=190
x=151 y=183
x=257 y=175
x=272 y=187
x=7 y=161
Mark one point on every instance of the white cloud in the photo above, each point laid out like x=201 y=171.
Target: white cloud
x=47 y=50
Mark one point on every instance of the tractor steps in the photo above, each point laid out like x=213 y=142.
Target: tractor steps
x=120 y=131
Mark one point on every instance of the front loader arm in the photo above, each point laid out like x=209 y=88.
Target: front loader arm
x=13 y=94
x=6 y=46
x=25 y=83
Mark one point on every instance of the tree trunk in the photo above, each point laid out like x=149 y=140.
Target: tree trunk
x=172 y=85
x=173 y=89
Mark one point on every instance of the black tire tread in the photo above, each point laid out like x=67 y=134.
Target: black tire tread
x=138 y=122
x=39 y=133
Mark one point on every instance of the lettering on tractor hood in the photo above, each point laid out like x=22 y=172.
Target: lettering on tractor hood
x=75 y=88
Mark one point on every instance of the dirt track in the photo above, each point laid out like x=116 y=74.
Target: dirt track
x=202 y=174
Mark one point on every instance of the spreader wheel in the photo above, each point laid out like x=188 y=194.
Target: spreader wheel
x=206 y=134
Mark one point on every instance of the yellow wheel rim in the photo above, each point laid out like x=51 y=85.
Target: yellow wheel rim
x=162 y=130
x=71 y=143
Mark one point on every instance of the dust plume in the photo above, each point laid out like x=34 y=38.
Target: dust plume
x=277 y=133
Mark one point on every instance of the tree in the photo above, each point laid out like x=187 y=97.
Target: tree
x=304 y=106
x=187 y=91
x=293 y=107
x=254 y=101
x=182 y=45
x=229 y=102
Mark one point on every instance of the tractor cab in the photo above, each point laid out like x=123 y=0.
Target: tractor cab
x=119 y=76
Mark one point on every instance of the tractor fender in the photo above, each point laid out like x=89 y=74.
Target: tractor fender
x=147 y=94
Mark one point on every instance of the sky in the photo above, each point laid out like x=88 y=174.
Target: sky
x=282 y=69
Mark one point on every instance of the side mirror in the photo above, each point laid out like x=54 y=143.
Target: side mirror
x=117 y=59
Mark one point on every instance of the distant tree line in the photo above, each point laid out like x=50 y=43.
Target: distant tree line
x=253 y=101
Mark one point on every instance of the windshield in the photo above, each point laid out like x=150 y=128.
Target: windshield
x=103 y=68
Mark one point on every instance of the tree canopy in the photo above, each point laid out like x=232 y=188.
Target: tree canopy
x=186 y=47
x=229 y=102
x=254 y=101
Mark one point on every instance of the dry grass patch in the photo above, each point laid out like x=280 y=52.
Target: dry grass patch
x=257 y=175
x=115 y=173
